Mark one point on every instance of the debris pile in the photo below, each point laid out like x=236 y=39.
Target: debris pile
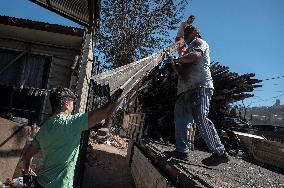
x=104 y=136
x=230 y=87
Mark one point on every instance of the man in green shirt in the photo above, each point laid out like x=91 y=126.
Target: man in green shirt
x=59 y=138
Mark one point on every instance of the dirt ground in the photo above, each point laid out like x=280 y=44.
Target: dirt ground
x=107 y=167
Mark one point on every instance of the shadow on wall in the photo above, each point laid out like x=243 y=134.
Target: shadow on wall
x=108 y=170
x=10 y=153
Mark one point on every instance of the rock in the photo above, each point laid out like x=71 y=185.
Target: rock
x=122 y=133
x=103 y=132
x=93 y=134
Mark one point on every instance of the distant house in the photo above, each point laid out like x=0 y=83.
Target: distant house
x=273 y=115
x=34 y=58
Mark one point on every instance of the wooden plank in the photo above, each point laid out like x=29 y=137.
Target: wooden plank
x=145 y=173
x=39 y=49
x=11 y=146
x=269 y=152
x=8 y=64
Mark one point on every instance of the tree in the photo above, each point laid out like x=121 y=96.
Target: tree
x=133 y=29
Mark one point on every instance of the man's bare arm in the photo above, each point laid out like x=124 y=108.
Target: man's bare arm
x=29 y=153
x=174 y=67
x=96 y=116
x=191 y=57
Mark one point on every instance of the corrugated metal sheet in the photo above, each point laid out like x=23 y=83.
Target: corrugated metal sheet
x=128 y=76
x=76 y=10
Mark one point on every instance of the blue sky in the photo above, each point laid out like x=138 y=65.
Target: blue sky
x=246 y=35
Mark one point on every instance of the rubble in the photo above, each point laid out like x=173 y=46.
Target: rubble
x=117 y=141
x=103 y=136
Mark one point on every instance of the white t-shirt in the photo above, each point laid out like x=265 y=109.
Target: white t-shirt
x=196 y=74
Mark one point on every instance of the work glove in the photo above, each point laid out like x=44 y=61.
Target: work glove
x=28 y=178
x=176 y=62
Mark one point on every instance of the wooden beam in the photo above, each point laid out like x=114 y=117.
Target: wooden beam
x=14 y=60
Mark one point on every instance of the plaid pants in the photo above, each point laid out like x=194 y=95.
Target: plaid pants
x=194 y=105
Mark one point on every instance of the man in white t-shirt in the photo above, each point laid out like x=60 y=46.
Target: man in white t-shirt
x=195 y=89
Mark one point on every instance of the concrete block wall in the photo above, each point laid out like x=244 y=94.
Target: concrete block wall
x=133 y=124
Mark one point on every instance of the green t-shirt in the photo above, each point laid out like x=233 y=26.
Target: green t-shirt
x=59 y=140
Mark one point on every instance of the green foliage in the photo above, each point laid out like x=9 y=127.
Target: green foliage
x=133 y=29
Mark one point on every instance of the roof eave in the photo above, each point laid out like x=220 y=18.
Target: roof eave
x=80 y=22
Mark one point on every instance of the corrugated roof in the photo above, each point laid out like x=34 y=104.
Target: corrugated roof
x=79 y=11
x=25 y=23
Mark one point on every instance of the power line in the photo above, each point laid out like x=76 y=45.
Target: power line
x=273 y=78
x=277 y=91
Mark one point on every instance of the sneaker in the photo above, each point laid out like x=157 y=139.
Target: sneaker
x=189 y=145
x=215 y=160
x=192 y=148
x=178 y=155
